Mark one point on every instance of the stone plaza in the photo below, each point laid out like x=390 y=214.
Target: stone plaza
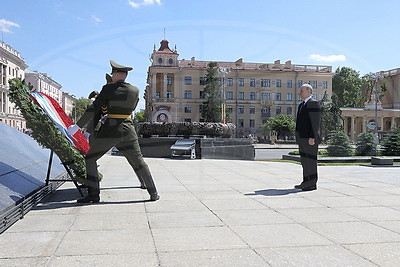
x=216 y=213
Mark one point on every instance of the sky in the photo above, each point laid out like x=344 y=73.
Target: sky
x=73 y=40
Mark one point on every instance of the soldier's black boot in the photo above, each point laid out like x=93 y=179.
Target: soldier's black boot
x=89 y=199
x=151 y=188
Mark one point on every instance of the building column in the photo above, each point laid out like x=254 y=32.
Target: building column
x=352 y=127
x=164 y=85
x=153 y=85
x=380 y=119
x=345 y=128
x=364 y=127
x=392 y=123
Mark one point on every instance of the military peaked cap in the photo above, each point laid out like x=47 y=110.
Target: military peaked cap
x=117 y=67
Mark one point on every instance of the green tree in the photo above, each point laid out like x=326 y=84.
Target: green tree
x=346 y=88
x=331 y=117
x=368 y=87
x=140 y=116
x=339 y=145
x=284 y=125
x=365 y=145
x=211 y=109
x=79 y=108
x=391 y=146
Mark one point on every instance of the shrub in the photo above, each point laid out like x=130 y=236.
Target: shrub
x=365 y=145
x=391 y=146
x=339 y=145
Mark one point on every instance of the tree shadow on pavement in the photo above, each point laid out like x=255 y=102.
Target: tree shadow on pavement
x=274 y=192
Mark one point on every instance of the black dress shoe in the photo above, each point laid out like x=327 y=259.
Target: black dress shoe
x=310 y=188
x=89 y=199
x=154 y=197
x=299 y=186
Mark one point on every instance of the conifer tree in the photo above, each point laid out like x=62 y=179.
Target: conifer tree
x=211 y=109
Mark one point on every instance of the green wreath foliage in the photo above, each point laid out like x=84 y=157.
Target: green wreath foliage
x=44 y=131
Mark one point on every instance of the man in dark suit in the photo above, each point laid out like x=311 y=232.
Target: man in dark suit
x=116 y=101
x=307 y=137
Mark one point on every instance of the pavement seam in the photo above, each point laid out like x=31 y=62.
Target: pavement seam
x=152 y=234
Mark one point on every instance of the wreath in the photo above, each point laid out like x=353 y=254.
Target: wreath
x=44 y=131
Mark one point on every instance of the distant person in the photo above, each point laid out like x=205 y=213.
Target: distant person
x=118 y=99
x=307 y=137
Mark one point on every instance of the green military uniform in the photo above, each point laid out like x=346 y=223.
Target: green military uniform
x=118 y=100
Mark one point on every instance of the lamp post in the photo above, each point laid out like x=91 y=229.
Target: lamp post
x=375 y=77
x=224 y=71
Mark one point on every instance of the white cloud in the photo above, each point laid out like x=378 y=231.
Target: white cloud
x=331 y=58
x=96 y=19
x=144 y=3
x=5 y=25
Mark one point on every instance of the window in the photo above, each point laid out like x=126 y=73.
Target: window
x=278 y=96
x=299 y=83
x=252 y=96
x=241 y=81
x=278 y=83
x=265 y=83
x=229 y=95
x=289 y=111
x=240 y=109
x=252 y=123
x=202 y=94
x=289 y=84
x=159 y=60
x=169 y=94
x=188 y=109
x=241 y=123
x=289 y=96
x=188 y=80
x=229 y=82
x=313 y=84
x=252 y=82
x=188 y=94
x=157 y=94
x=188 y=120
x=324 y=85
x=229 y=108
x=314 y=96
x=278 y=110
x=170 y=61
x=241 y=95
x=266 y=112
x=202 y=80
x=298 y=97
x=265 y=96
x=252 y=109
x=219 y=81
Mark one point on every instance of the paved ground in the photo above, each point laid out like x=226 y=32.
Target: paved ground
x=271 y=153
x=216 y=213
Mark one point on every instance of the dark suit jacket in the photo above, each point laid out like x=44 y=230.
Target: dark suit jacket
x=308 y=121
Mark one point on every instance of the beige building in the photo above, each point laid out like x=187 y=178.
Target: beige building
x=12 y=65
x=41 y=82
x=387 y=111
x=68 y=103
x=253 y=92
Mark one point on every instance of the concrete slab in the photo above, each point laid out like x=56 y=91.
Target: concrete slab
x=215 y=213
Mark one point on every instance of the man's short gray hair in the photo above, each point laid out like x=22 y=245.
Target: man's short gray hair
x=309 y=87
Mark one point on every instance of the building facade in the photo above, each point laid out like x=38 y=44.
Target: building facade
x=12 y=65
x=41 y=82
x=383 y=114
x=68 y=103
x=252 y=92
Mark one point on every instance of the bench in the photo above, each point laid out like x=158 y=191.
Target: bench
x=184 y=147
x=381 y=161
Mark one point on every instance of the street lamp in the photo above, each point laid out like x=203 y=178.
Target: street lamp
x=375 y=77
x=224 y=71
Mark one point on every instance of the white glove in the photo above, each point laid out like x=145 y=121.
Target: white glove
x=86 y=135
x=73 y=129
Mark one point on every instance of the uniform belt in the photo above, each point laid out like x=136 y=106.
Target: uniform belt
x=119 y=116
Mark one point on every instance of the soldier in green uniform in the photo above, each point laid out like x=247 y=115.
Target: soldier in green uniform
x=118 y=99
